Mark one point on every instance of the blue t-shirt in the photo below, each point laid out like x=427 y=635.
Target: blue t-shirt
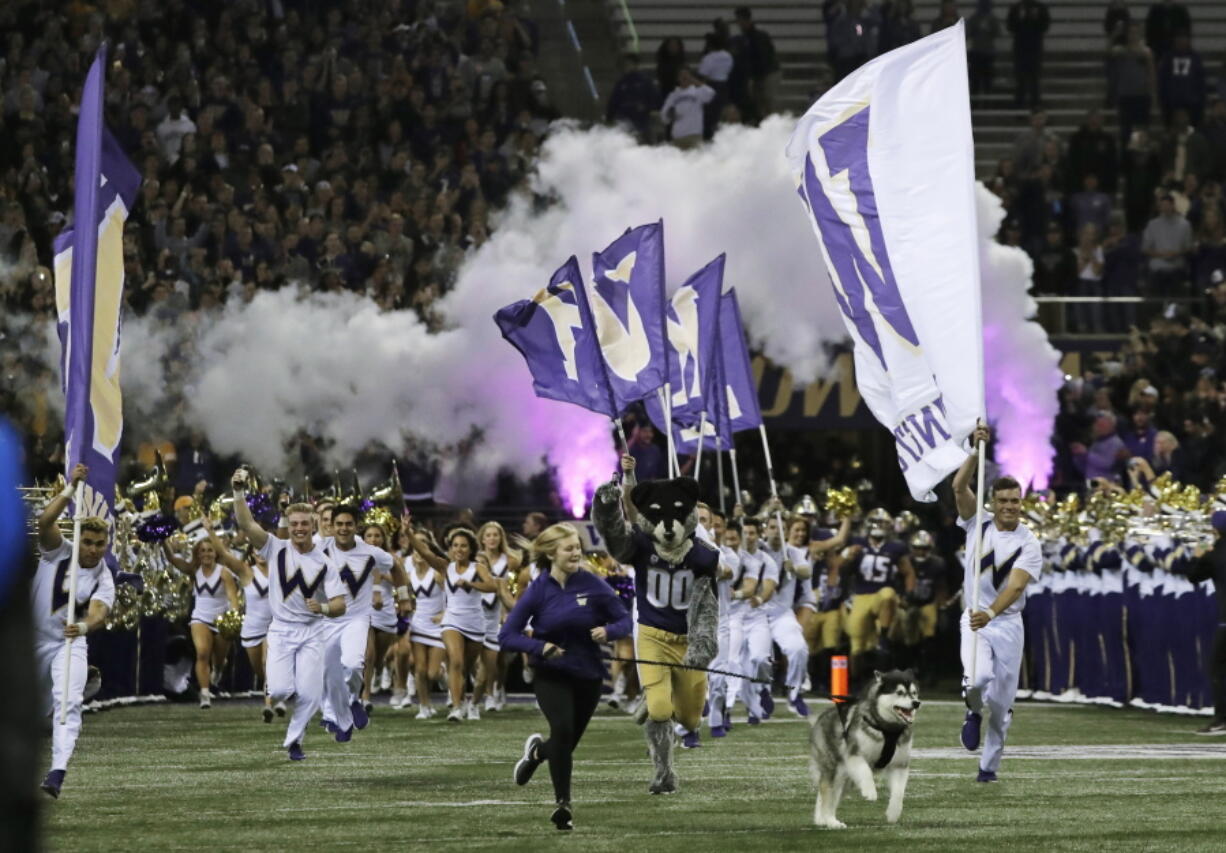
x=876 y=566
x=661 y=590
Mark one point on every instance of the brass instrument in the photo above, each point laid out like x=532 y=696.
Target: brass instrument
x=389 y=493
x=153 y=482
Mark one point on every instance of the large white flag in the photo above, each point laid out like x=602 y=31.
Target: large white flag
x=884 y=164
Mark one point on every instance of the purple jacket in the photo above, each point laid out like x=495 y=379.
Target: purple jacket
x=565 y=616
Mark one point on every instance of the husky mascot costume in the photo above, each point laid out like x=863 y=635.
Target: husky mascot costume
x=674 y=588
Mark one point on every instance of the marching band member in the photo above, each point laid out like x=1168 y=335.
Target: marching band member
x=49 y=604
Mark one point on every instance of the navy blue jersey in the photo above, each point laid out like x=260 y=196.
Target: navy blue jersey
x=929 y=572
x=876 y=567
x=661 y=590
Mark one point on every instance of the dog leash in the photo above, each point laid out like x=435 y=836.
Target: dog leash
x=689 y=666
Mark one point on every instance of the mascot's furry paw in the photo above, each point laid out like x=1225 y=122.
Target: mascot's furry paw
x=609 y=493
x=703 y=625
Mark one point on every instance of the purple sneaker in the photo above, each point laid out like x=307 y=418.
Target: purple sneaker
x=706 y=708
x=985 y=776
x=52 y=783
x=970 y=730
x=754 y=721
x=719 y=731
x=690 y=741
x=768 y=703
x=727 y=725
x=328 y=726
x=344 y=736
x=360 y=717
x=295 y=752
x=799 y=707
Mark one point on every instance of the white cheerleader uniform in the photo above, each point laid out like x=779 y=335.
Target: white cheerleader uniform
x=258 y=615
x=430 y=600
x=492 y=605
x=211 y=598
x=464 y=612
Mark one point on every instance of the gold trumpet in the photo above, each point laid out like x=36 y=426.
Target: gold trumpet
x=221 y=508
x=389 y=493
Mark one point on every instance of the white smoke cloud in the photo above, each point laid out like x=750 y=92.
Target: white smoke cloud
x=341 y=368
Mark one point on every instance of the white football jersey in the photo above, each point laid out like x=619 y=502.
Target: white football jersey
x=49 y=594
x=358 y=567
x=294 y=577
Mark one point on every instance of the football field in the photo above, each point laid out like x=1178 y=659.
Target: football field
x=173 y=777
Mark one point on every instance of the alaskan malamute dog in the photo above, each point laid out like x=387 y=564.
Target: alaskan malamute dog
x=854 y=741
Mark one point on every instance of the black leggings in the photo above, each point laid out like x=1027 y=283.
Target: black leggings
x=1217 y=670
x=568 y=704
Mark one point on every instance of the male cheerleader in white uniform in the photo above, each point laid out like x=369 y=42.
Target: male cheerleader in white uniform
x=49 y=602
x=758 y=582
x=1009 y=558
x=345 y=638
x=304 y=588
x=792 y=557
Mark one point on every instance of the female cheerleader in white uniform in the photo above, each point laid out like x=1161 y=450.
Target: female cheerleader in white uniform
x=215 y=592
x=390 y=596
x=252 y=573
x=428 y=587
x=463 y=624
x=491 y=678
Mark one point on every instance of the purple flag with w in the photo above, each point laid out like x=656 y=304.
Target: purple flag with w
x=693 y=336
x=89 y=297
x=559 y=346
x=627 y=308
x=741 y=411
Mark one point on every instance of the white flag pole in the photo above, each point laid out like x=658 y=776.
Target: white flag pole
x=627 y=477
x=666 y=402
x=736 y=478
x=77 y=515
x=702 y=429
x=770 y=475
x=719 y=478
x=977 y=558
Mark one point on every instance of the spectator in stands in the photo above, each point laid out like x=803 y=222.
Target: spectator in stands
x=1214 y=130
x=670 y=59
x=1122 y=260
x=755 y=50
x=1139 y=433
x=1091 y=206
x=1167 y=242
x=1167 y=456
x=1185 y=150
x=1135 y=82
x=983 y=28
x=1115 y=27
x=1029 y=144
x=649 y=459
x=1142 y=173
x=1166 y=19
x=898 y=24
x=1039 y=207
x=947 y=16
x=1210 y=254
x=715 y=69
x=1181 y=81
x=1089 y=252
x=1055 y=266
x=1091 y=149
x=633 y=99
x=683 y=109
x=1028 y=22
x=1104 y=458
x=853 y=36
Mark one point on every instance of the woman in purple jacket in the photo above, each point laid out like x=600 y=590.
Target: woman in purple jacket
x=573 y=612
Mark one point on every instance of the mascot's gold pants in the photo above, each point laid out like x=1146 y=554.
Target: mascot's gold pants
x=670 y=693
x=866 y=612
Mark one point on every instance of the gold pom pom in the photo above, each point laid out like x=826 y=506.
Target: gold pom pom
x=230 y=624
x=844 y=502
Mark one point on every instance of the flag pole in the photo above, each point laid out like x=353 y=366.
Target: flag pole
x=72 y=595
x=770 y=476
x=978 y=560
x=702 y=429
x=736 y=479
x=719 y=477
x=666 y=403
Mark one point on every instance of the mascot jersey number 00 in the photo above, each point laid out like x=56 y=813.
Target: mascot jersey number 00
x=674 y=582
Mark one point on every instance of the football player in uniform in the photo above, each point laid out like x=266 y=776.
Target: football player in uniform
x=819 y=607
x=916 y=627
x=875 y=564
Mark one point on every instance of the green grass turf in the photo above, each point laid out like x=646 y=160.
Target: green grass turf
x=178 y=778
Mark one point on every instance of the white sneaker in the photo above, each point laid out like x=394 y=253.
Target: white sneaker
x=398 y=699
x=385 y=680
x=474 y=713
x=206 y=699
x=529 y=674
x=491 y=704
x=502 y=696
x=456 y=715
x=410 y=685
x=425 y=712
